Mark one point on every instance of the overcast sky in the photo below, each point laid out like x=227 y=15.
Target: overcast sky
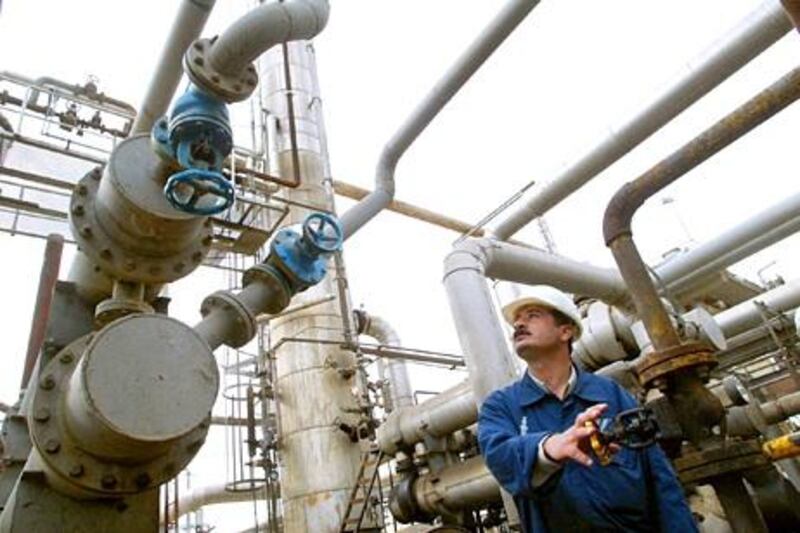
x=569 y=74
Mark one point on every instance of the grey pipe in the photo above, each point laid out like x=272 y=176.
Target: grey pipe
x=764 y=229
x=456 y=76
x=264 y=27
x=747 y=315
x=440 y=416
x=400 y=392
x=757 y=32
x=189 y=502
x=189 y=22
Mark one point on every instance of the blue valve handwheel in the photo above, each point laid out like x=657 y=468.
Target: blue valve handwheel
x=323 y=232
x=199 y=192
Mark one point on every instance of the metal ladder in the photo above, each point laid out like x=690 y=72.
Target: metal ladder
x=360 y=496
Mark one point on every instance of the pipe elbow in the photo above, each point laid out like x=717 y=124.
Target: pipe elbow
x=470 y=254
x=619 y=213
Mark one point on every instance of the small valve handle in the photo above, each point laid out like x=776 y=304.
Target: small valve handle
x=199 y=191
x=323 y=233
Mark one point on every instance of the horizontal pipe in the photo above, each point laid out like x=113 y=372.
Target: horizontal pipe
x=749 y=420
x=443 y=414
x=187 y=26
x=465 y=485
x=451 y=82
x=754 y=34
x=747 y=315
x=189 y=502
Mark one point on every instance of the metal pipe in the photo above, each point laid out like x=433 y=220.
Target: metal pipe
x=747 y=315
x=740 y=509
x=456 y=76
x=400 y=392
x=213 y=495
x=754 y=34
x=762 y=230
x=189 y=22
x=264 y=27
x=440 y=416
x=44 y=298
x=620 y=211
x=792 y=8
x=749 y=420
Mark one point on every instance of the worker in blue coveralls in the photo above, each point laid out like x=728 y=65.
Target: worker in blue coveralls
x=535 y=440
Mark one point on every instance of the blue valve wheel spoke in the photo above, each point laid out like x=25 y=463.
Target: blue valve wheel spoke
x=199 y=192
x=323 y=231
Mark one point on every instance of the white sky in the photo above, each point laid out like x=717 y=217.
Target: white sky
x=571 y=71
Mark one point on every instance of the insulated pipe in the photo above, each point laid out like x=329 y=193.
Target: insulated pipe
x=264 y=27
x=754 y=34
x=440 y=416
x=456 y=76
x=747 y=315
x=189 y=22
x=748 y=420
x=401 y=393
x=762 y=230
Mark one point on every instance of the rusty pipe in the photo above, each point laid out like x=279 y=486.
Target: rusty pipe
x=44 y=298
x=620 y=211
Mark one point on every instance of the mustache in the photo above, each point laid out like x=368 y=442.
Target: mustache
x=521 y=331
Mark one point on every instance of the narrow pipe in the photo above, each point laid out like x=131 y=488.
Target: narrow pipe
x=200 y=497
x=189 y=22
x=44 y=299
x=264 y=27
x=754 y=34
x=746 y=420
x=620 y=211
x=465 y=66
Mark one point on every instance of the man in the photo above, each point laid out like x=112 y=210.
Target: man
x=534 y=437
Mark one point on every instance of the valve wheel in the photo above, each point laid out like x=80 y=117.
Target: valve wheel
x=199 y=192
x=323 y=232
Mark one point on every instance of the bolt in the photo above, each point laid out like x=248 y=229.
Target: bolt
x=237 y=87
x=106 y=254
x=77 y=210
x=86 y=232
x=198 y=46
x=108 y=481
x=66 y=358
x=42 y=414
x=47 y=382
x=716 y=430
x=215 y=78
x=95 y=173
x=251 y=68
x=82 y=189
x=76 y=470
x=52 y=446
x=50 y=347
x=251 y=82
x=142 y=480
x=178 y=267
x=197 y=257
x=198 y=61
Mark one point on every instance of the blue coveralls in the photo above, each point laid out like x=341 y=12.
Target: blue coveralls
x=638 y=491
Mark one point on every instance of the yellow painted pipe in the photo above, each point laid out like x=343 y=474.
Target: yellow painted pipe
x=783 y=447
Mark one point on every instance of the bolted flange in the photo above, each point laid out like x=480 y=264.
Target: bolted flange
x=230 y=87
x=245 y=322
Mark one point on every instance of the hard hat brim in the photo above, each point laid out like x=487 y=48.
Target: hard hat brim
x=510 y=311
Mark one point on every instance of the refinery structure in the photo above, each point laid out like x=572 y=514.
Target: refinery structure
x=323 y=415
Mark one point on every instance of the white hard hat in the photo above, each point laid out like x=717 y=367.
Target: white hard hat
x=545 y=296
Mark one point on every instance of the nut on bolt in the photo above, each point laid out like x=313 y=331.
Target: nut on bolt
x=47 y=382
x=42 y=414
x=52 y=446
x=76 y=470
x=108 y=481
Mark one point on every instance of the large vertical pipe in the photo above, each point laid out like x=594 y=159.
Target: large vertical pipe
x=757 y=32
x=319 y=463
x=44 y=298
x=189 y=22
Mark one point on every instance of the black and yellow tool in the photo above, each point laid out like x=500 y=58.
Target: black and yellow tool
x=635 y=428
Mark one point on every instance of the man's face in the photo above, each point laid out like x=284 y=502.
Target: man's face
x=536 y=332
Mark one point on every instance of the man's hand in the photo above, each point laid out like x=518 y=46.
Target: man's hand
x=574 y=442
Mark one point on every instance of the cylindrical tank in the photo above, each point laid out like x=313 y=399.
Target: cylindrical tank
x=319 y=463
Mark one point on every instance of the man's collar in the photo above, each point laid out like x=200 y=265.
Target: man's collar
x=585 y=387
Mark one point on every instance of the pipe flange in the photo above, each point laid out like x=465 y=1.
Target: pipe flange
x=657 y=366
x=113 y=258
x=111 y=309
x=229 y=87
x=701 y=467
x=403 y=505
x=273 y=278
x=77 y=472
x=243 y=319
